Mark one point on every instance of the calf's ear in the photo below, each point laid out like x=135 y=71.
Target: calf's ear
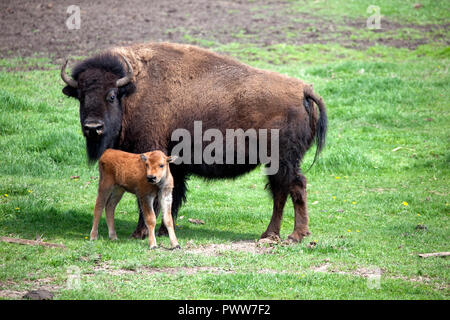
x=171 y=159
x=70 y=91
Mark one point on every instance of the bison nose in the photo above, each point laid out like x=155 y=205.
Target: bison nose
x=93 y=128
x=151 y=179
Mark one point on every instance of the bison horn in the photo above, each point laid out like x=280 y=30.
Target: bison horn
x=66 y=78
x=125 y=80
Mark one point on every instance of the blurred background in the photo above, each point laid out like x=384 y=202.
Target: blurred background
x=40 y=27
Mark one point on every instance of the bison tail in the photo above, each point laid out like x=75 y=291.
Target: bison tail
x=322 y=122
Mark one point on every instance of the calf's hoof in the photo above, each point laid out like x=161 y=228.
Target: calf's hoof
x=113 y=238
x=177 y=247
x=153 y=247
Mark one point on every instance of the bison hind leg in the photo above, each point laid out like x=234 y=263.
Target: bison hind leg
x=288 y=180
x=279 y=188
x=298 y=195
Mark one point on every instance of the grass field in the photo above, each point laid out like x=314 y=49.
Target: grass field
x=377 y=198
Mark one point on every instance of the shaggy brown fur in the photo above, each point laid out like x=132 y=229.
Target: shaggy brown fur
x=178 y=84
x=147 y=176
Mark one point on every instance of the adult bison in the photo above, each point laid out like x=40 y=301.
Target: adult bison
x=133 y=98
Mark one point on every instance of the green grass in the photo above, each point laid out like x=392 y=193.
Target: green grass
x=431 y=12
x=388 y=146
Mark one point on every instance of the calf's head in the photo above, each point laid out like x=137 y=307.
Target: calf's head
x=156 y=165
x=100 y=83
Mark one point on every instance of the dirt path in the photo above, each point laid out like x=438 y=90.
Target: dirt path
x=30 y=27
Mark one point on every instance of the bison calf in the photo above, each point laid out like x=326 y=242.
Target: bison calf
x=147 y=176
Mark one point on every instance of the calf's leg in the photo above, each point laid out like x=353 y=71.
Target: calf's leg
x=104 y=191
x=111 y=204
x=149 y=219
x=166 y=203
x=178 y=196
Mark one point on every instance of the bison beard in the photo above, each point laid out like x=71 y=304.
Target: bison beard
x=179 y=84
x=96 y=147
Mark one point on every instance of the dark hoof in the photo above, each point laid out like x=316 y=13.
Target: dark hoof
x=153 y=248
x=297 y=237
x=176 y=248
x=293 y=239
x=162 y=232
x=271 y=236
x=140 y=234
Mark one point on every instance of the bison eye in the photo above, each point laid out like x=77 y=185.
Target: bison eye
x=111 y=97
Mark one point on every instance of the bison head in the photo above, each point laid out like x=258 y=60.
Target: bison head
x=100 y=83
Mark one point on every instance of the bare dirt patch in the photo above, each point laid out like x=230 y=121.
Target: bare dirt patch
x=144 y=270
x=14 y=290
x=30 y=27
x=11 y=294
x=361 y=272
x=374 y=272
x=238 y=246
x=247 y=246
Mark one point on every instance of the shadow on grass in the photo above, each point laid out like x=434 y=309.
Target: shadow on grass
x=52 y=223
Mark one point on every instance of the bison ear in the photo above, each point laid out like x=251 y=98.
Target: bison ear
x=127 y=90
x=143 y=157
x=70 y=91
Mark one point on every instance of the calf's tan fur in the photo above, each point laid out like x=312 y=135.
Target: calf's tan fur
x=146 y=175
